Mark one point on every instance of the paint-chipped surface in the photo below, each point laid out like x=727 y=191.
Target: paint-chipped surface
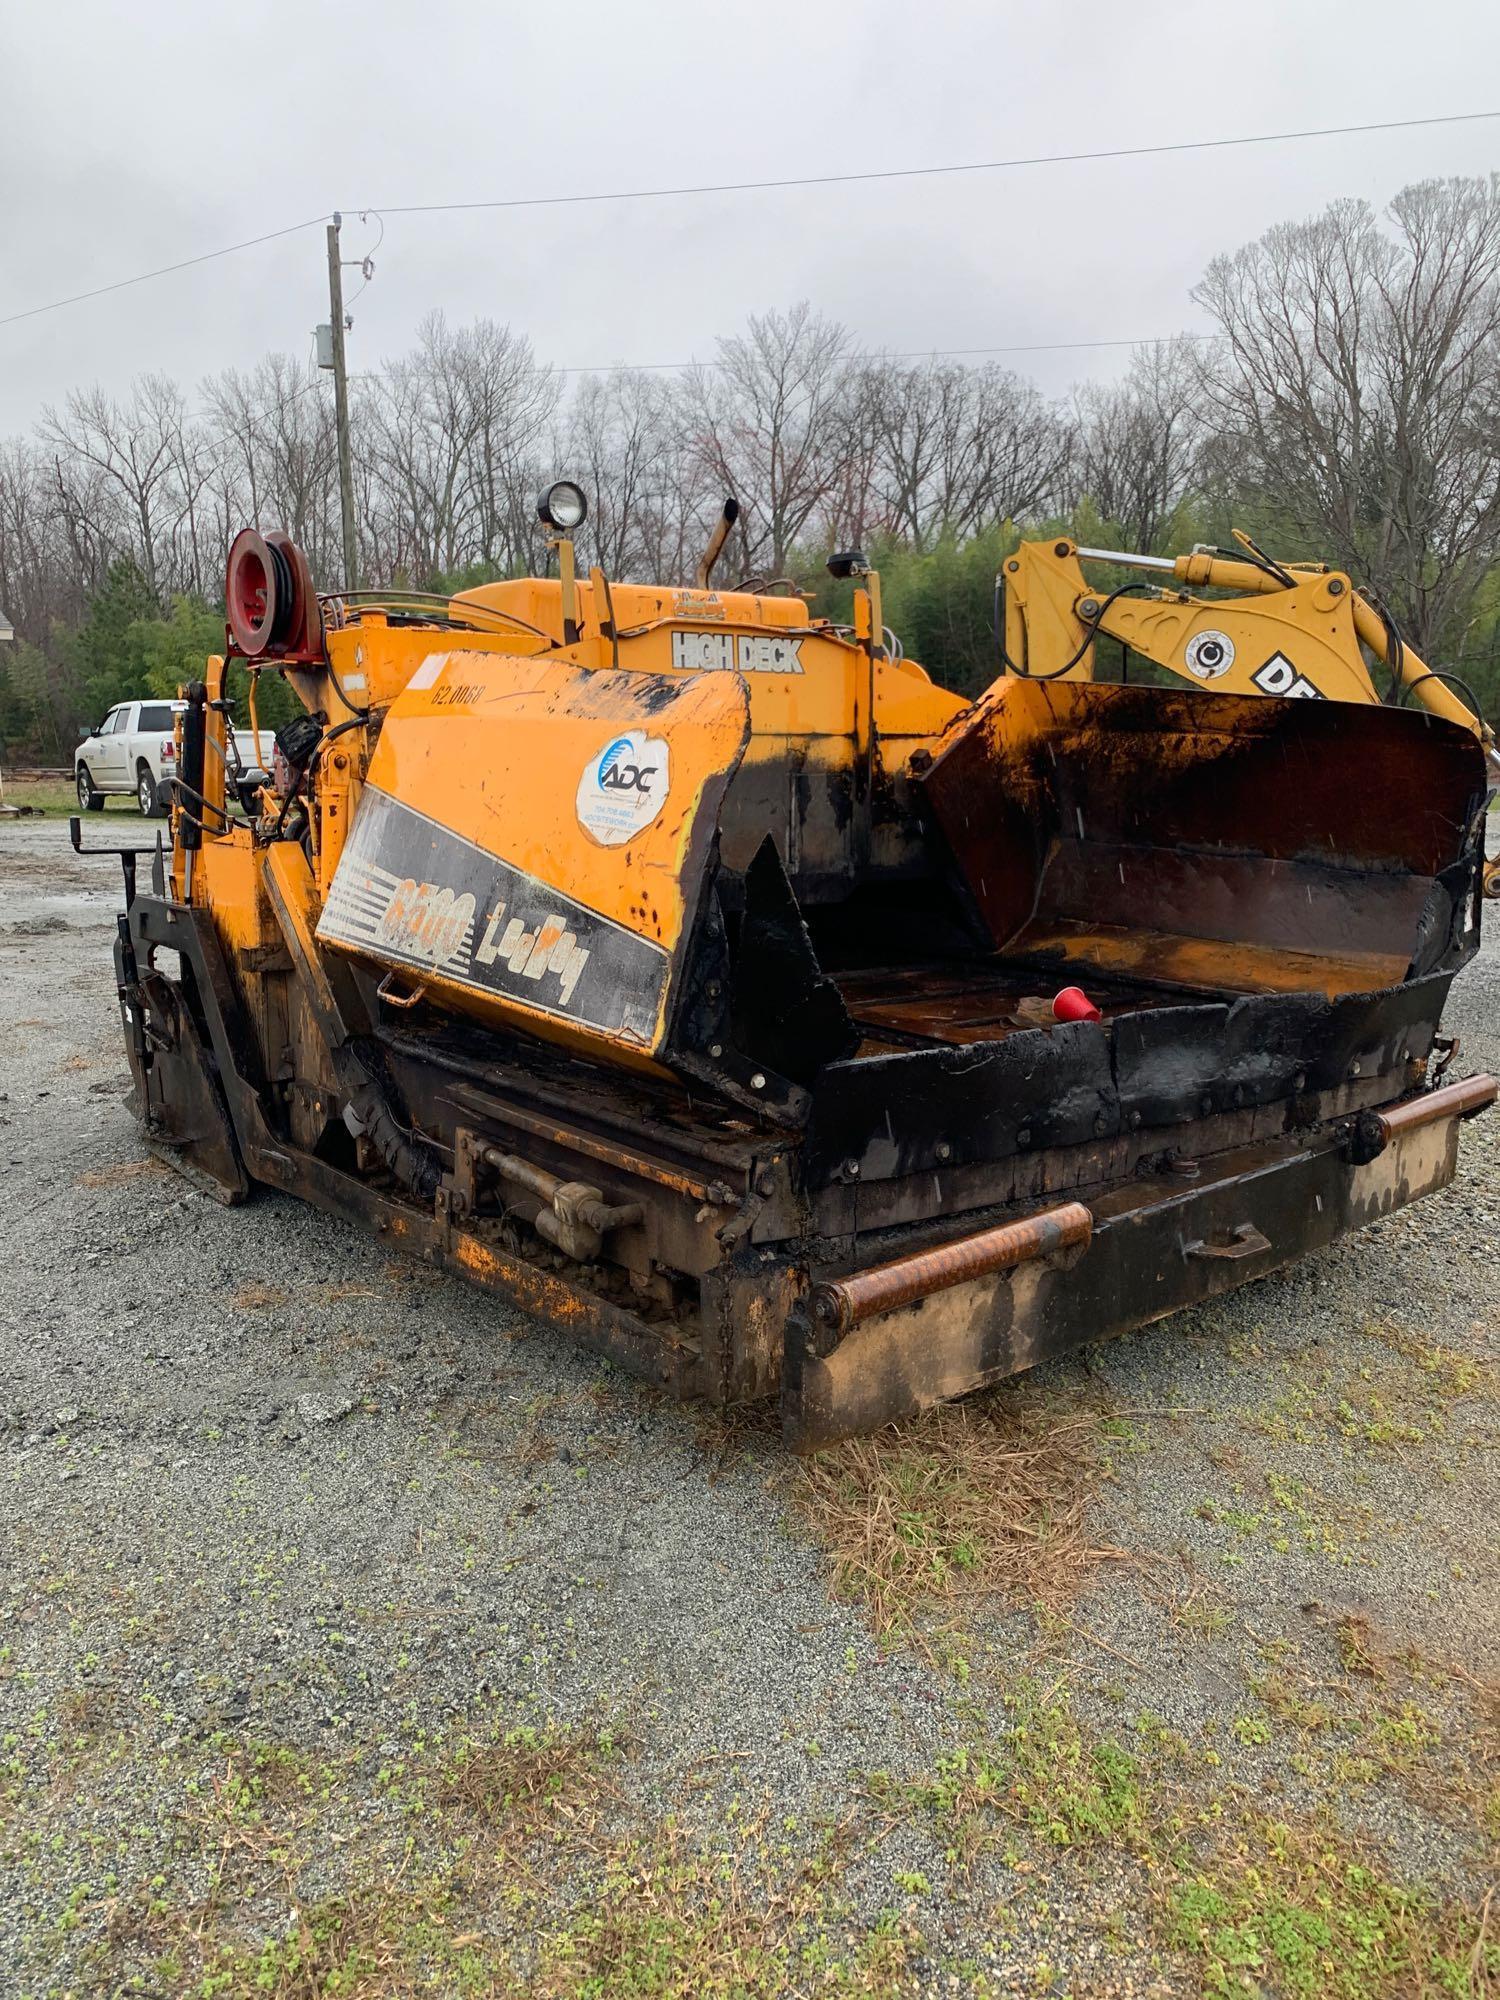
x=532 y=838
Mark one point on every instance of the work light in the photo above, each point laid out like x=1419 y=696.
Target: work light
x=846 y=563
x=563 y=506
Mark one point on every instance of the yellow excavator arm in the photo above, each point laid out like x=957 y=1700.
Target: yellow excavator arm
x=1293 y=629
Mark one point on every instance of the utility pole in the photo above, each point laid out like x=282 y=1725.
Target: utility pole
x=341 y=404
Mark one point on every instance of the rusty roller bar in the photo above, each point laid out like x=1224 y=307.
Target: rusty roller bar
x=844 y=1303
x=1453 y=1100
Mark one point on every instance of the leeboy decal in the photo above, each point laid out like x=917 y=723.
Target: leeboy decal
x=624 y=787
x=412 y=893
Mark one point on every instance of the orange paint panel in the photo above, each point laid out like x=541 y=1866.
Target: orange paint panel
x=496 y=748
x=532 y=838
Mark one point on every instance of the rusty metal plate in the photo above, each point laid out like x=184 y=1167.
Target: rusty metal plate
x=1273 y=1203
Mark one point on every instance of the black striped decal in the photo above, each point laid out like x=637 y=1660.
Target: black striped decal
x=410 y=893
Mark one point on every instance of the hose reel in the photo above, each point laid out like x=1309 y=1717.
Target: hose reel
x=271 y=609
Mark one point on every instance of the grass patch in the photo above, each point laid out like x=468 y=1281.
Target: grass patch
x=1042 y=1777
x=1445 y=1373
x=372 y=1945
x=303 y=1877
x=1256 y=1905
x=1298 y=1912
x=498 y=1860
x=985 y=1498
x=668 y=1922
x=55 y=795
x=256 y=1297
x=1354 y=1637
x=1402 y=1395
x=120 y=1173
x=1202 y=1614
x=525 y=1777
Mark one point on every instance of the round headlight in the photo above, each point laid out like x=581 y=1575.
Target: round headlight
x=563 y=506
x=846 y=563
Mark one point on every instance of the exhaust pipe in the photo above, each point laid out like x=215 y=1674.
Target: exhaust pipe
x=716 y=541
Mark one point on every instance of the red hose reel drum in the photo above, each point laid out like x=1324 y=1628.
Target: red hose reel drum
x=270 y=606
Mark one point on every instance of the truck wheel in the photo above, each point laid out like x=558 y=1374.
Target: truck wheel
x=88 y=798
x=145 y=793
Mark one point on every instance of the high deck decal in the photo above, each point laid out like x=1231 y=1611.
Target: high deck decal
x=751 y=652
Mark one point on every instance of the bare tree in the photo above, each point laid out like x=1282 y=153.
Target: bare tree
x=652 y=497
x=614 y=441
x=1138 y=443
x=452 y=430
x=132 y=446
x=46 y=575
x=189 y=553
x=957 y=448
x=422 y=425
x=270 y=459
x=770 y=425
x=1357 y=381
x=40 y=580
x=299 y=457
x=514 y=401
x=84 y=507
x=234 y=421
x=1354 y=396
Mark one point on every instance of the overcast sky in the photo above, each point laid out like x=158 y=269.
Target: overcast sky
x=132 y=137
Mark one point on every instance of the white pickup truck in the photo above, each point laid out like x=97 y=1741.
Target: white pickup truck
x=134 y=751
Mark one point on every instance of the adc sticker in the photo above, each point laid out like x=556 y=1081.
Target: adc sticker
x=623 y=788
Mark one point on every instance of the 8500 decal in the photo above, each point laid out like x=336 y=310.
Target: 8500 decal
x=410 y=892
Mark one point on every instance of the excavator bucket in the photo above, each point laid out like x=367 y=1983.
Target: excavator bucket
x=1215 y=843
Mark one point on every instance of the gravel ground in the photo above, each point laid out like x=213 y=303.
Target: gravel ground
x=277 y=1504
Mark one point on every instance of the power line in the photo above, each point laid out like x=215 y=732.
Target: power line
x=755 y=187
x=910 y=354
x=163 y=271
x=919 y=173
x=875 y=354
